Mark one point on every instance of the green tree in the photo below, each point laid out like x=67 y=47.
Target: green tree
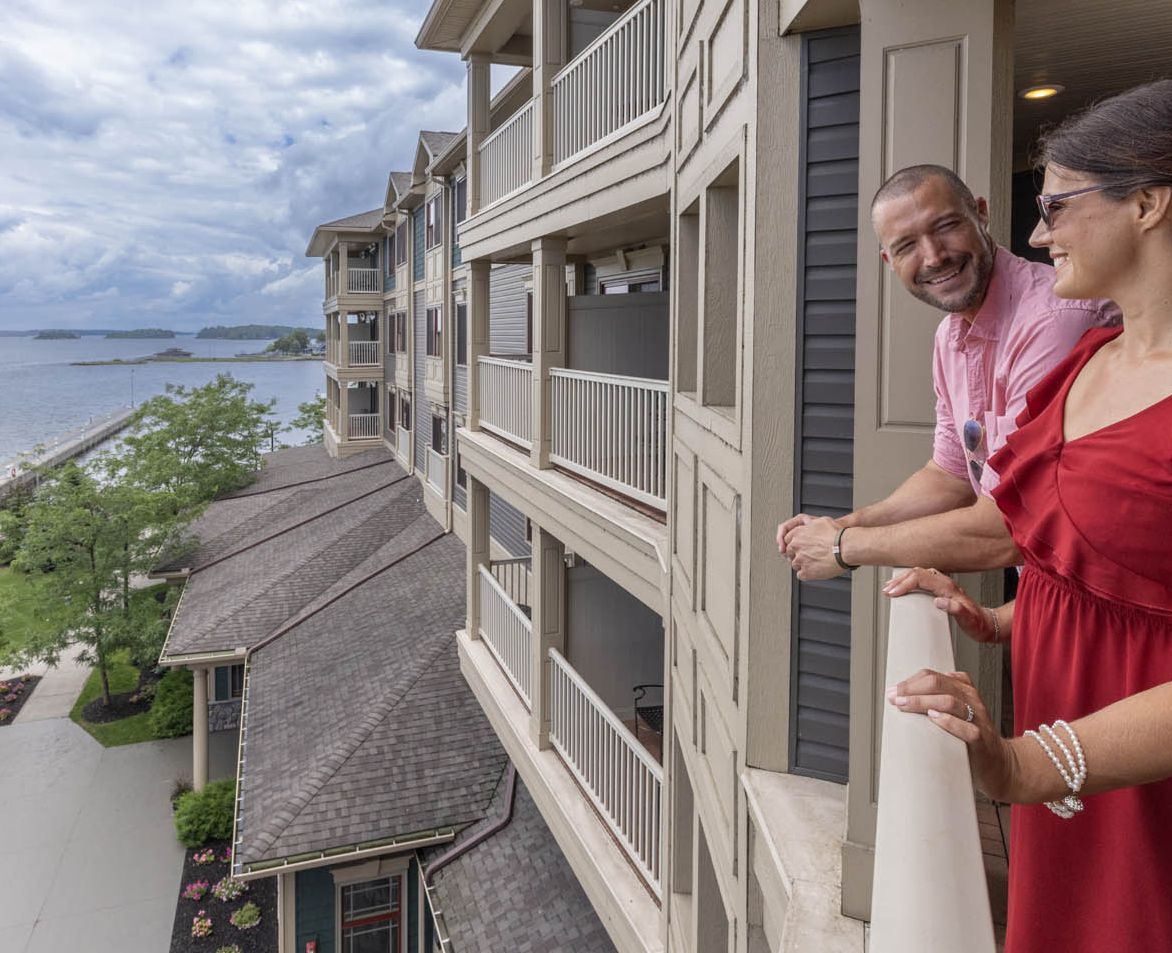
x=311 y=417
x=197 y=442
x=295 y=342
x=88 y=538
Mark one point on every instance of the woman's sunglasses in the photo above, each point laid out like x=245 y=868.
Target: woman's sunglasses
x=974 y=437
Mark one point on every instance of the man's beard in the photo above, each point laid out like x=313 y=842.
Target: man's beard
x=959 y=302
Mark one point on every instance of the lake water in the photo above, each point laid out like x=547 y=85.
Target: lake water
x=43 y=395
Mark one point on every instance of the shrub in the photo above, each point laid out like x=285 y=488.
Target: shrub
x=206 y=815
x=246 y=917
x=229 y=889
x=171 y=712
x=230 y=948
x=201 y=924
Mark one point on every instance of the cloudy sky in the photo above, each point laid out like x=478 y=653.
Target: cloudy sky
x=166 y=163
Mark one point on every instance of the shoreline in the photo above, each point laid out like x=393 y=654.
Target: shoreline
x=238 y=359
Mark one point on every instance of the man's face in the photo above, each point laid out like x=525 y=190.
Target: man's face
x=939 y=247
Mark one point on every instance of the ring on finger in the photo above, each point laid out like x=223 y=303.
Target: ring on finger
x=969 y=714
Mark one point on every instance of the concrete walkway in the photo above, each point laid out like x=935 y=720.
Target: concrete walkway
x=91 y=858
x=56 y=691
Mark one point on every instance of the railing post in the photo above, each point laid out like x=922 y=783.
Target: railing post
x=478 y=550
x=479 y=84
x=548 y=593
x=549 y=338
x=478 y=334
x=549 y=55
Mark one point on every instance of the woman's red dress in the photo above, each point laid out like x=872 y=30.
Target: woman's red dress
x=1092 y=518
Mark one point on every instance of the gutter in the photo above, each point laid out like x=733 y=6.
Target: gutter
x=331 y=855
x=437 y=914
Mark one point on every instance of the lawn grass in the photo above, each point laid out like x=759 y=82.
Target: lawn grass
x=126 y=731
x=18 y=623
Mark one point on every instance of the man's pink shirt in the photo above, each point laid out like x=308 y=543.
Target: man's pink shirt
x=985 y=369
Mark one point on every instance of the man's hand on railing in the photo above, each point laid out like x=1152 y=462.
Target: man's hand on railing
x=979 y=623
x=807 y=541
x=952 y=702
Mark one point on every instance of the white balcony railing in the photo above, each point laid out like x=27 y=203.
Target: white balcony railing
x=403 y=444
x=364 y=353
x=507 y=632
x=437 y=471
x=613 y=430
x=616 y=80
x=506 y=398
x=622 y=780
x=513 y=575
x=927 y=821
x=363 y=426
x=363 y=279
x=506 y=157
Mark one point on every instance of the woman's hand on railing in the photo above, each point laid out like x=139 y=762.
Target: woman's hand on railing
x=979 y=623
x=953 y=703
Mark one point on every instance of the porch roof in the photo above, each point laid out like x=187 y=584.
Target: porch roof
x=324 y=234
x=359 y=726
x=268 y=552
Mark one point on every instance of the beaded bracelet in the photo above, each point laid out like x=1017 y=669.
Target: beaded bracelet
x=1074 y=771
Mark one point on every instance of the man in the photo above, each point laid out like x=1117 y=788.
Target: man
x=1004 y=331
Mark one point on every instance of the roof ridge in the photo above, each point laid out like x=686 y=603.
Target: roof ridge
x=321 y=479
x=334 y=760
x=297 y=525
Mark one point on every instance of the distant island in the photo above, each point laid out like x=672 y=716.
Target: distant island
x=53 y=334
x=142 y=333
x=251 y=332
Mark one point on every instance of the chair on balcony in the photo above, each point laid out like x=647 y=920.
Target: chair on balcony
x=649 y=707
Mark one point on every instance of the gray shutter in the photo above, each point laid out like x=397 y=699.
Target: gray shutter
x=507 y=297
x=420 y=406
x=824 y=425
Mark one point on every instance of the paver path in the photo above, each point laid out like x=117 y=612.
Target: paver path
x=91 y=859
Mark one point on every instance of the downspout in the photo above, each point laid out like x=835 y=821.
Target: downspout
x=437 y=915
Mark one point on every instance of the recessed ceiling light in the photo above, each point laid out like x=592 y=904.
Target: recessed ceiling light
x=1041 y=92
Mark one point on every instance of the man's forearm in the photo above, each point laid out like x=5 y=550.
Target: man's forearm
x=964 y=540
x=928 y=491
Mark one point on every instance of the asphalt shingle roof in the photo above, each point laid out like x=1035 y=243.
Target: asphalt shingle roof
x=362 y=220
x=515 y=891
x=359 y=724
x=436 y=142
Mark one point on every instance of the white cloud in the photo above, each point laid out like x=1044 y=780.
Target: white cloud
x=168 y=163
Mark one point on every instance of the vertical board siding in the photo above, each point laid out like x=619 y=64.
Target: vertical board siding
x=507 y=296
x=618 y=334
x=460 y=389
x=420 y=406
x=820 y=696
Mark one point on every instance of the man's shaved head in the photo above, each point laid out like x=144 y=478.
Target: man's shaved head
x=907 y=180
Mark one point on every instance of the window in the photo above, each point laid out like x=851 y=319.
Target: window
x=405 y=412
x=439 y=434
x=391 y=255
x=632 y=284
x=434 y=229
x=461 y=474
x=461 y=334
x=401 y=244
x=372 y=915
x=401 y=332
x=435 y=329
x=236 y=679
x=391 y=410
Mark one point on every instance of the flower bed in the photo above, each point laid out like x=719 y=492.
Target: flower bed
x=211 y=901
x=14 y=692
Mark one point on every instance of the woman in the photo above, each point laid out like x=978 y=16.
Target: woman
x=1086 y=492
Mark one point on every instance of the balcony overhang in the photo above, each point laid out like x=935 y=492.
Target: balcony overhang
x=624 y=544
x=619 y=194
x=499 y=28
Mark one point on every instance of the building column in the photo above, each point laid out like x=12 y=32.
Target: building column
x=479 y=89
x=343 y=410
x=479 y=552
x=343 y=339
x=549 y=338
x=478 y=333
x=547 y=592
x=199 y=726
x=343 y=268
x=549 y=56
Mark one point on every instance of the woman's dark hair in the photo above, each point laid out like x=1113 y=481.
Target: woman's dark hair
x=1124 y=142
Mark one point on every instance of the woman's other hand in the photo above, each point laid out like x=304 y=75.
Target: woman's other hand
x=952 y=702
x=975 y=620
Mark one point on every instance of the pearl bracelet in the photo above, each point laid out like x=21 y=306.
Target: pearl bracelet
x=1073 y=771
